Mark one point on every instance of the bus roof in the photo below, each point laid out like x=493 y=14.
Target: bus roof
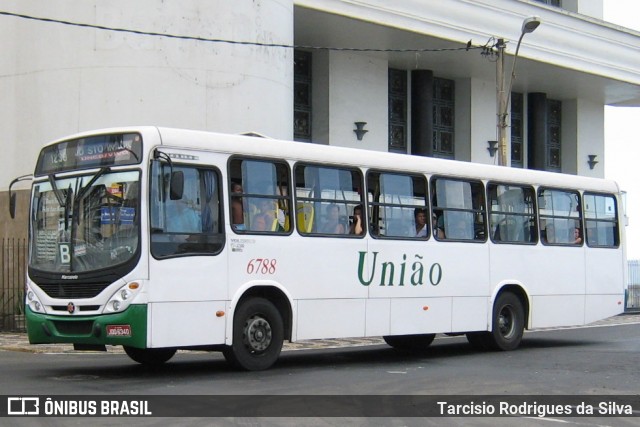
x=316 y=153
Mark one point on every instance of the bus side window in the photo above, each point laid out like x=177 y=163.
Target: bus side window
x=188 y=223
x=399 y=205
x=511 y=213
x=458 y=207
x=601 y=220
x=326 y=197
x=260 y=200
x=560 y=217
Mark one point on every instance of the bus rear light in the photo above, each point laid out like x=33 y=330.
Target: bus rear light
x=219 y=313
x=425 y=308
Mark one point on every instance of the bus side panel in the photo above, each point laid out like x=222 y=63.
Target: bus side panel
x=378 y=315
x=469 y=314
x=331 y=318
x=557 y=310
x=420 y=315
x=174 y=324
x=605 y=283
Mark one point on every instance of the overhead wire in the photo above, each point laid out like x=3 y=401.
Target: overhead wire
x=467 y=47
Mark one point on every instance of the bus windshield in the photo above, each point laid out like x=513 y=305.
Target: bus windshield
x=85 y=223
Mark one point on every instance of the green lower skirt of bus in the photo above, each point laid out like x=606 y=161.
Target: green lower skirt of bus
x=127 y=328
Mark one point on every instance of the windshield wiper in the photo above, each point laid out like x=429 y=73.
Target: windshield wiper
x=59 y=196
x=83 y=191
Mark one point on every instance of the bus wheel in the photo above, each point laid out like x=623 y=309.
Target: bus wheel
x=508 y=322
x=409 y=342
x=258 y=334
x=150 y=356
x=479 y=340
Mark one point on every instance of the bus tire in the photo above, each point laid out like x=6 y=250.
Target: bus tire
x=150 y=356
x=479 y=340
x=258 y=334
x=508 y=323
x=409 y=342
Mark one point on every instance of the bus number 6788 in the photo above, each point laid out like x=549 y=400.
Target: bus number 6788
x=261 y=266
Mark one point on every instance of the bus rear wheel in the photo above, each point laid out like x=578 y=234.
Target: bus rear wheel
x=150 y=356
x=508 y=326
x=409 y=342
x=258 y=334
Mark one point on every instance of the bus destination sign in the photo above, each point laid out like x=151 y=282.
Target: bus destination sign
x=88 y=153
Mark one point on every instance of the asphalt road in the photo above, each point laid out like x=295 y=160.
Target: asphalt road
x=603 y=361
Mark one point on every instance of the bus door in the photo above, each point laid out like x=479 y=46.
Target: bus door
x=188 y=273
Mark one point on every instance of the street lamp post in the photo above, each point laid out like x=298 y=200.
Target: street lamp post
x=504 y=96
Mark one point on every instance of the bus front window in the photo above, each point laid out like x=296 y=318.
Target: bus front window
x=86 y=223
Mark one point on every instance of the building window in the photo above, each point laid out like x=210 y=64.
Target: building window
x=397 y=111
x=554 y=119
x=517 y=130
x=302 y=96
x=443 y=118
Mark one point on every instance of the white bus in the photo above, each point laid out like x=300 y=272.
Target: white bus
x=161 y=239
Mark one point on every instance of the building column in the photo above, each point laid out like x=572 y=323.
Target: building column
x=422 y=112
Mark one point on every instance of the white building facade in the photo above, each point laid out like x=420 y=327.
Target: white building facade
x=419 y=76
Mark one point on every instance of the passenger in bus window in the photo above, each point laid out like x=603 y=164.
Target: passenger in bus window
x=356 y=221
x=237 y=211
x=421 y=222
x=259 y=223
x=332 y=223
x=577 y=235
x=438 y=226
x=183 y=217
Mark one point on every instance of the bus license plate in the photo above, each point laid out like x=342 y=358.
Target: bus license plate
x=118 y=330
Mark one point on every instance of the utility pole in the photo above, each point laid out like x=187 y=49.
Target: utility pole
x=504 y=94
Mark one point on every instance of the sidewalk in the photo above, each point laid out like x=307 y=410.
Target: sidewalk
x=18 y=341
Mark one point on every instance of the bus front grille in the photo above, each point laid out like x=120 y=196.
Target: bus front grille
x=73 y=290
x=82 y=327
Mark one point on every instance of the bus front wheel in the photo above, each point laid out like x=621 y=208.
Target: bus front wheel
x=258 y=334
x=150 y=356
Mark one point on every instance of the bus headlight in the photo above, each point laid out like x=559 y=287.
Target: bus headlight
x=122 y=298
x=33 y=302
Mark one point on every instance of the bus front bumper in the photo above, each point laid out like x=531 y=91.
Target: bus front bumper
x=127 y=328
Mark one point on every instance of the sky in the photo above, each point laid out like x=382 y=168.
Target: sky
x=622 y=134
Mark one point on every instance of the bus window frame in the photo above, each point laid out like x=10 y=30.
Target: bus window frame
x=221 y=210
x=436 y=210
x=536 y=226
x=319 y=200
x=244 y=195
x=616 y=222
x=580 y=218
x=371 y=206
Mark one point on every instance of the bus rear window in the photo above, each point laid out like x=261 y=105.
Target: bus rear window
x=88 y=153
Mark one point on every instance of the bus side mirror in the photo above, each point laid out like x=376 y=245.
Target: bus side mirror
x=12 y=205
x=176 y=186
x=12 y=195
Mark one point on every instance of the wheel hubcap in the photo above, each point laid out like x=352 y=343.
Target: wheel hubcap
x=257 y=334
x=505 y=322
